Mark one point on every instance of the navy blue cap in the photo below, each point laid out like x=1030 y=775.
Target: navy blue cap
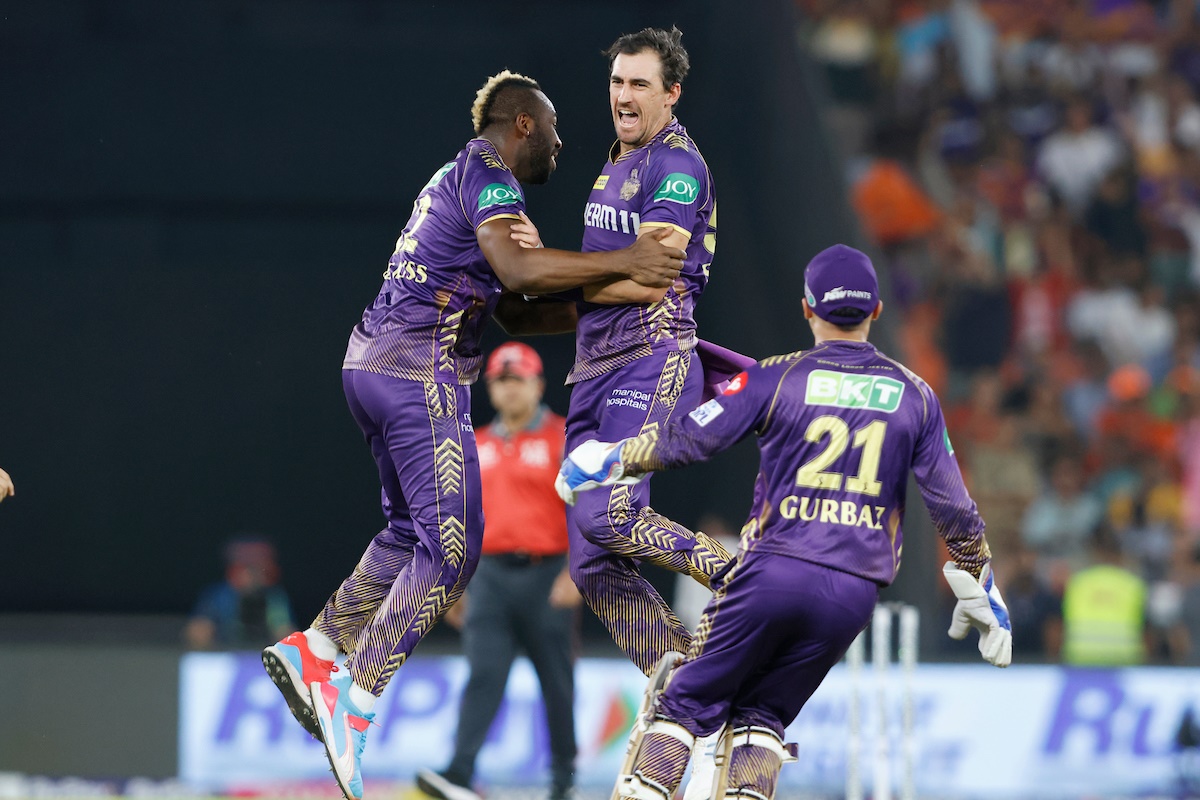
x=840 y=285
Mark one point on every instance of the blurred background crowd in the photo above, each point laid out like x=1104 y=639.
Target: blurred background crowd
x=1030 y=172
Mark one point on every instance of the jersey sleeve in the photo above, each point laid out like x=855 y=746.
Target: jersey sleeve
x=707 y=429
x=489 y=190
x=677 y=187
x=954 y=513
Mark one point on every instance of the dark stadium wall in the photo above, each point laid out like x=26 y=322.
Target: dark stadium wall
x=73 y=711
x=197 y=200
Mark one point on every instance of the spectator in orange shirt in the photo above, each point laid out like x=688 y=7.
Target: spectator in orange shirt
x=891 y=206
x=521 y=597
x=1127 y=415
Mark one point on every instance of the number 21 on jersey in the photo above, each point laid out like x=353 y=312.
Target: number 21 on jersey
x=836 y=433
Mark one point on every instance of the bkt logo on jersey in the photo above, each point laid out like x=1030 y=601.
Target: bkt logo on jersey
x=841 y=390
x=497 y=194
x=678 y=188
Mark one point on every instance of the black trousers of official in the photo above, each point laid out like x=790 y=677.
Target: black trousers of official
x=508 y=612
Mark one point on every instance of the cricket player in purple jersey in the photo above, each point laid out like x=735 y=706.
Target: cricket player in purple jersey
x=407 y=373
x=636 y=364
x=839 y=429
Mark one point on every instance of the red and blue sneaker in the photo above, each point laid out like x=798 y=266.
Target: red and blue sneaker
x=344 y=731
x=292 y=667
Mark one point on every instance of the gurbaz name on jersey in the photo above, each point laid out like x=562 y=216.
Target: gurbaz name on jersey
x=834 y=512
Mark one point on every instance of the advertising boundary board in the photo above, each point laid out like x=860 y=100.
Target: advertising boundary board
x=1033 y=731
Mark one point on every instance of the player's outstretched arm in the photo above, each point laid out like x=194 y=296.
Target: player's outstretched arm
x=6 y=486
x=589 y=466
x=980 y=607
x=543 y=270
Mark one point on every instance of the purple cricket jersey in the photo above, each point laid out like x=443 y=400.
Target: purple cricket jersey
x=663 y=183
x=839 y=427
x=438 y=289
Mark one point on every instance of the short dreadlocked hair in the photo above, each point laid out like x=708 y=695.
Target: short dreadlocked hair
x=504 y=96
x=667 y=44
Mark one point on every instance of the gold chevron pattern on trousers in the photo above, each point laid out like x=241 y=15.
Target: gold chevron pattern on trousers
x=358 y=598
x=401 y=588
x=448 y=461
x=654 y=538
x=704 y=627
x=454 y=542
x=639 y=620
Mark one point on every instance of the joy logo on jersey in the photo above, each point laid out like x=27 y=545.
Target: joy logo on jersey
x=842 y=390
x=678 y=188
x=497 y=194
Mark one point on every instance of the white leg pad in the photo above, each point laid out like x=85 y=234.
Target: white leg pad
x=765 y=738
x=631 y=782
x=673 y=729
x=638 y=788
x=748 y=794
x=750 y=738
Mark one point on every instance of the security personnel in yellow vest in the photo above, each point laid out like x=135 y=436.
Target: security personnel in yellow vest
x=1104 y=608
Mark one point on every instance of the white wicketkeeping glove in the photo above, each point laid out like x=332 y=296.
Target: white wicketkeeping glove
x=980 y=607
x=589 y=465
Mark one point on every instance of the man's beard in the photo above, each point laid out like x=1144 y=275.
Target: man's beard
x=541 y=162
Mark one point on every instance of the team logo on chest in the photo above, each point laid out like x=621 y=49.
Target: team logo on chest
x=631 y=185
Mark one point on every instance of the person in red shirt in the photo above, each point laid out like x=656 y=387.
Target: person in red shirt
x=521 y=597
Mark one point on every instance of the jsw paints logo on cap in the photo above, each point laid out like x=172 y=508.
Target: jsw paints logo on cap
x=497 y=194
x=841 y=293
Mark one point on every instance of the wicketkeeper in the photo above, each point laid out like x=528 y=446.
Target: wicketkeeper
x=839 y=428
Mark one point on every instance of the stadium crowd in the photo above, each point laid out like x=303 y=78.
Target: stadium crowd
x=1029 y=172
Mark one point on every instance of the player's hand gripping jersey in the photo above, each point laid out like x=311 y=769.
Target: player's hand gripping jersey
x=438 y=289
x=663 y=183
x=839 y=428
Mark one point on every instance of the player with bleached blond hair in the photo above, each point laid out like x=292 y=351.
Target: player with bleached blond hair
x=407 y=375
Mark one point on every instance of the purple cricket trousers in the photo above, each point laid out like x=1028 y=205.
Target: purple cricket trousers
x=612 y=528
x=775 y=627
x=423 y=443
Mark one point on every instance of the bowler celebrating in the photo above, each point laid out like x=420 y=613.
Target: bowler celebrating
x=407 y=374
x=635 y=365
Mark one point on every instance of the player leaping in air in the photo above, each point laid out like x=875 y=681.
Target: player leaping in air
x=639 y=362
x=636 y=364
x=407 y=376
x=839 y=429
